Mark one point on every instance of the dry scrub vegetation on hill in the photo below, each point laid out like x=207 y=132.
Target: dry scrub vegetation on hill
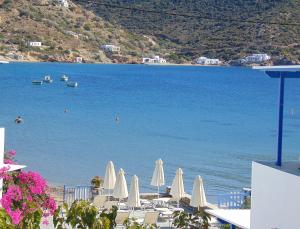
x=65 y=33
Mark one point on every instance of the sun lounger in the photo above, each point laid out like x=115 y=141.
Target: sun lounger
x=99 y=201
x=121 y=217
x=108 y=204
x=151 y=217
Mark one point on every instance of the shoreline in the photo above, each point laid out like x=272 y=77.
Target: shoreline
x=109 y=63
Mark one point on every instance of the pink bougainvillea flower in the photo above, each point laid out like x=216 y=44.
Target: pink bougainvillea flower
x=16 y=216
x=3 y=173
x=11 y=153
x=24 y=194
x=9 y=161
x=45 y=222
x=51 y=205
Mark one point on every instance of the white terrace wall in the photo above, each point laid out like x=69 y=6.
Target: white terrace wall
x=275 y=201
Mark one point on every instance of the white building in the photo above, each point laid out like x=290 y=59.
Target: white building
x=207 y=61
x=35 y=44
x=63 y=3
x=275 y=199
x=154 y=60
x=256 y=58
x=78 y=59
x=111 y=48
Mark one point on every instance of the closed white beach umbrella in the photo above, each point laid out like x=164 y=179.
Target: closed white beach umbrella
x=134 y=194
x=120 y=190
x=158 y=178
x=110 y=176
x=198 y=198
x=177 y=188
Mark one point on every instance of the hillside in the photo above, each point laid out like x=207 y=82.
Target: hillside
x=227 y=36
x=65 y=33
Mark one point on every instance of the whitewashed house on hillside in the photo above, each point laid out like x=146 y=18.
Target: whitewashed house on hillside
x=256 y=58
x=35 y=43
x=207 y=61
x=63 y=3
x=78 y=59
x=111 y=48
x=154 y=60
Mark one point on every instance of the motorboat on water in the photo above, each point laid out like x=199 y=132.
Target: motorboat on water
x=64 y=78
x=47 y=79
x=4 y=62
x=72 y=84
x=37 y=82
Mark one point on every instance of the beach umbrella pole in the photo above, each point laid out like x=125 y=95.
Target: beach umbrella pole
x=158 y=191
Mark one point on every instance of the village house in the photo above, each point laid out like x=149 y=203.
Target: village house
x=111 y=48
x=207 y=61
x=63 y=3
x=35 y=44
x=78 y=59
x=154 y=60
x=256 y=58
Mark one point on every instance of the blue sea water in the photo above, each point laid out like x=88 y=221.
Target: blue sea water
x=210 y=121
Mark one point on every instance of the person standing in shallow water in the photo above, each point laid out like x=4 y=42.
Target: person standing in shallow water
x=18 y=120
x=117 y=119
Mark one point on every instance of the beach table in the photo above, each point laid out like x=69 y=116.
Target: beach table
x=235 y=217
x=164 y=201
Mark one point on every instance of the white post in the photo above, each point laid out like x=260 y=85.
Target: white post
x=2 y=135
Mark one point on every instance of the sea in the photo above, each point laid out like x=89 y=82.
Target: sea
x=209 y=121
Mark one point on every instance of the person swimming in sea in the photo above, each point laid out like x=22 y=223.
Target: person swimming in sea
x=66 y=110
x=18 y=120
x=117 y=119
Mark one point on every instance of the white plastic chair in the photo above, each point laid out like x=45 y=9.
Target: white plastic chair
x=121 y=217
x=108 y=204
x=99 y=201
x=151 y=217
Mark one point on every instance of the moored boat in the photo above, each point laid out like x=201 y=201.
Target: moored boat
x=47 y=79
x=64 y=78
x=72 y=84
x=4 y=62
x=37 y=82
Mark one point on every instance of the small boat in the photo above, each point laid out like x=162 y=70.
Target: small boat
x=64 y=78
x=72 y=84
x=37 y=82
x=47 y=79
x=4 y=62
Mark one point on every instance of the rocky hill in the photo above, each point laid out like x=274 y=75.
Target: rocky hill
x=65 y=33
x=221 y=28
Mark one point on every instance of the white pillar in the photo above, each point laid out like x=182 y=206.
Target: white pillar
x=2 y=135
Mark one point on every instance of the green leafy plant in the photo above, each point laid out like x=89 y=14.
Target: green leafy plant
x=181 y=219
x=97 y=182
x=82 y=214
x=199 y=219
x=133 y=224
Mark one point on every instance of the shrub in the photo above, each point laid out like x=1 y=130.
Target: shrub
x=25 y=201
x=82 y=214
x=23 y=12
x=87 y=27
x=97 y=182
x=199 y=219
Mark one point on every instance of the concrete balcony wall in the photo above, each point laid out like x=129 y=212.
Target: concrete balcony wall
x=275 y=201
